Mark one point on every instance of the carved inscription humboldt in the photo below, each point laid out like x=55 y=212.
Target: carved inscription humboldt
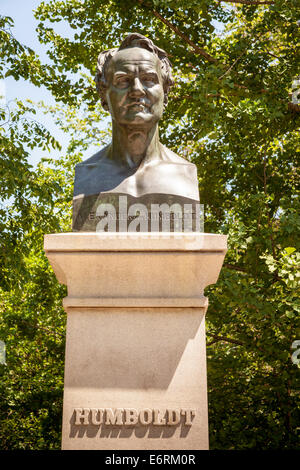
x=131 y=416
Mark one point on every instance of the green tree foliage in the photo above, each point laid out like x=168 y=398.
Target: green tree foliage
x=232 y=114
x=32 y=319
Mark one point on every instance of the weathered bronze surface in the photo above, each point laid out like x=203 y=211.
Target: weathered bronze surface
x=133 y=82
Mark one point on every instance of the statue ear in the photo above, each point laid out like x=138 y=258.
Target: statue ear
x=103 y=97
x=105 y=105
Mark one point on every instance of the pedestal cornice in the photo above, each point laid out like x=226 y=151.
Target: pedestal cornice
x=136 y=269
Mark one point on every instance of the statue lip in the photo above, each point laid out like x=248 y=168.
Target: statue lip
x=141 y=104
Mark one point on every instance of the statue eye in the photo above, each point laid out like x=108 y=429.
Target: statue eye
x=150 y=78
x=122 y=81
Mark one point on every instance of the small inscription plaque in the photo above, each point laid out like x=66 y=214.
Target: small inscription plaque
x=131 y=416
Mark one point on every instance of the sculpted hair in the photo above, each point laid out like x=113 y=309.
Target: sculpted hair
x=133 y=40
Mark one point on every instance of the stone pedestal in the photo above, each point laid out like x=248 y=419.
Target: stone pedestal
x=135 y=366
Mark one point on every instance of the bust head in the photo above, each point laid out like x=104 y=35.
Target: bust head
x=133 y=81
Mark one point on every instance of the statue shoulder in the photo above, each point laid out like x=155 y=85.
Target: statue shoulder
x=94 y=159
x=174 y=158
x=89 y=172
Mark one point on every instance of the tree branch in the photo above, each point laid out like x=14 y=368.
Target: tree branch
x=231 y=67
x=208 y=95
x=203 y=53
x=235 y=268
x=196 y=48
x=224 y=338
x=249 y=2
x=295 y=108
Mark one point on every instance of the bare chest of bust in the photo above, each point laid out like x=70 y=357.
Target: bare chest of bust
x=172 y=176
x=101 y=180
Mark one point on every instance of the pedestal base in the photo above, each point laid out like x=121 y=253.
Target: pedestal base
x=136 y=359
x=135 y=367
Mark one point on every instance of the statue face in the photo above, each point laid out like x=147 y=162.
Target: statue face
x=135 y=92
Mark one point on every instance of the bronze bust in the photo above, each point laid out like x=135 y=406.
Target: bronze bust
x=133 y=82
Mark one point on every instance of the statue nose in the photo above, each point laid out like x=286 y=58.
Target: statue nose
x=137 y=87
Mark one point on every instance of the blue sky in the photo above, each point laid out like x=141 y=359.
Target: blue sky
x=24 y=31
